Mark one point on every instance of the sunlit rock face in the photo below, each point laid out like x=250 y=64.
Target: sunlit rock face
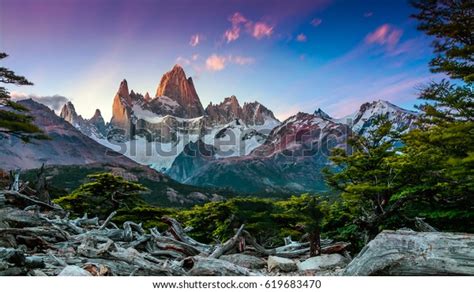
x=176 y=87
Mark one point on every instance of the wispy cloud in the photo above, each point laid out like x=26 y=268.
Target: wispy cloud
x=215 y=63
x=54 y=102
x=196 y=39
x=233 y=33
x=261 y=30
x=183 y=61
x=218 y=62
x=368 y=14
x=316 y=22
x=301 y=37
x=385 y=35
x=258 y=30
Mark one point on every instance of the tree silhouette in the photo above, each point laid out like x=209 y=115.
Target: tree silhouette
x=14 y=120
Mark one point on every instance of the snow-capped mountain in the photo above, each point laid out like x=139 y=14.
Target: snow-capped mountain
x=93 y=127
x=244 y=148
x=293 y=154
x=154 y=131
x=363 y=119
x=290 y=159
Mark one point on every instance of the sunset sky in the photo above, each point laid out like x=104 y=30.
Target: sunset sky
x=289 y=55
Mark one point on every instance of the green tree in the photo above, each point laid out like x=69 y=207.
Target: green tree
x=104 y=194
x=14 y=120
x=450 y=22
x=438 y=161
x=367 y=179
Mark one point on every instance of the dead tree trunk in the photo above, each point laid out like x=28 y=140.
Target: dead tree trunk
x=42 y=187
x=405 y=253
x=315 y=243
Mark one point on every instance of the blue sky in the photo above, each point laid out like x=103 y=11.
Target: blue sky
x=289 y=55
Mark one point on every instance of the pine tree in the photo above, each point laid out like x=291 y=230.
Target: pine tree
x=438 y=160
x=367 y=179
x=14 y=120
x=450 y=22
x=104 y=194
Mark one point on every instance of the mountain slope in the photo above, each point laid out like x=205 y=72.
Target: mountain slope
x=70 y=156
x=292 y=156
x=363 y=119
x=289 y=160
x=68 y=145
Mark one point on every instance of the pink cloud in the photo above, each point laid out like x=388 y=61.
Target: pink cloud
x=258 y=30
x=384 y=35
x=261 y=30
x=218 y=62
x=183 y=61
x=215 y=63
x=301 y=37
x=316 y=22
x=232 y=34
x=195 y=40
x=237 y=19
x=239 y=60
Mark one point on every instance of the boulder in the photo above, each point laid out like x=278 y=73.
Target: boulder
x=282 y=264
x=323 y=262
x=74 y=271
x=406 y=253
x=244 y=260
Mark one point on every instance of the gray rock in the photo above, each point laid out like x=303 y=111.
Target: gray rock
x=37 y=273
x=281 y=264
x=323 y=262
x=409 y=253
x=244 y=260
x=74 y=271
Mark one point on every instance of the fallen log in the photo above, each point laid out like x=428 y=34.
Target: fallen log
x=168 y=243
x=18 y=199
x=337 y=247
x=177 y=231
x=404 y=253
x=228 y=245
x=20 y=218
x=205 y=266
x=280 y=252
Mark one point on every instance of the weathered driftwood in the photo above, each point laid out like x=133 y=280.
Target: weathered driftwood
x=2 y=200
x=20 y=218
x=206 y=266
x=228 y=245
x=178 y=232
x=423 y=226
x=18 y=199
x=337 y=247
x=415 y=253
x=168 y=243
x=107 y=221
x=281 y=252
x=42 y=186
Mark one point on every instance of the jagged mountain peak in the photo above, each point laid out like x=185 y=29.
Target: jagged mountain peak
x=322 y=114
x=123 y=89
x=180 y=89
x=69 y=114
x=364 y=118
x=97 y=117
x=147 y=97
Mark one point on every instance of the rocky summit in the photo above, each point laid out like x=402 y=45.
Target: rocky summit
x=175 y=87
